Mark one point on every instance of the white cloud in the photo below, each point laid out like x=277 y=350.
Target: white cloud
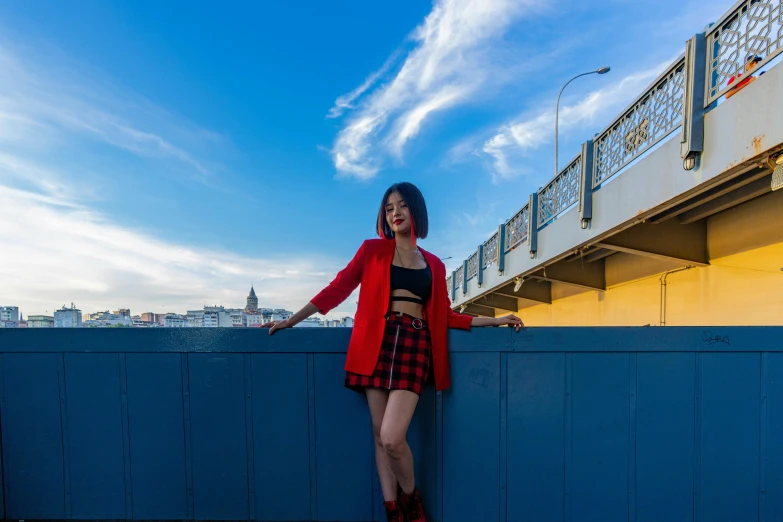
x=451 y=61
x=346 y=101
x=43 y=107
x=55 y=251
x=511 y=144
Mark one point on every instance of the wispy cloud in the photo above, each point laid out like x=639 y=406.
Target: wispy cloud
x=44 y=107
x=56 y=251
x=452 y=58
x=513 y=141
x=346 y=101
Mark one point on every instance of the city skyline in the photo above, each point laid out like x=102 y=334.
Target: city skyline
x=148 y=310
x=252 y=315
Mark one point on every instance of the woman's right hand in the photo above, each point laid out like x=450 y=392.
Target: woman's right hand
x=277 y=325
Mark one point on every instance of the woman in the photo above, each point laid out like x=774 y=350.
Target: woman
x=399 y=339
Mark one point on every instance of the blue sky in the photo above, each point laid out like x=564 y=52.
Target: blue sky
x=166 y=155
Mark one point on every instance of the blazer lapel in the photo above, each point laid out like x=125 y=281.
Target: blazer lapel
x=386 y=257
x=434 y=293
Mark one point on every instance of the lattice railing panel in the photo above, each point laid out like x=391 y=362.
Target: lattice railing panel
x=755 y=28
x=473 y=266
x=490 y=251
x=460 y=278
x=651 y=118
x=448 y=285
x=516 y=228
x=560 y=193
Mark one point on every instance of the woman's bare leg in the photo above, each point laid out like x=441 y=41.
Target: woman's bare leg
x=377 y=399
x=397 y=418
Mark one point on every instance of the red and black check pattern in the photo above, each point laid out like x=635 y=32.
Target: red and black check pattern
x=405 y=368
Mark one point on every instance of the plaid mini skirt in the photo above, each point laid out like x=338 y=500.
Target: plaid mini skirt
x=405 y=360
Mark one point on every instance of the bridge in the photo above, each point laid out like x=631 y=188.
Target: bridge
x=682 y=177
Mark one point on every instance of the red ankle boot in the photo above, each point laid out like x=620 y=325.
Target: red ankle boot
x=412 y=506
x=393 y=511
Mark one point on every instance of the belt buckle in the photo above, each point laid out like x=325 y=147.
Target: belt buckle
x=417 y=324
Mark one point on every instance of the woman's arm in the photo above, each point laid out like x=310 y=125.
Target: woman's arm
x=484 y=321
x=466 y=322
x=306 y=311
x=343 y=284
x=335 y=293
x=510 y=320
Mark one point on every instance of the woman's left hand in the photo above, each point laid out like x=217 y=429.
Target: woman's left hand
x=510 y=320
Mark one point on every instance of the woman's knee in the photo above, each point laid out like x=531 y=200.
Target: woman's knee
x=392 y=442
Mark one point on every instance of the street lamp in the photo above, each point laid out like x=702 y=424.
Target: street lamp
x=602 y=70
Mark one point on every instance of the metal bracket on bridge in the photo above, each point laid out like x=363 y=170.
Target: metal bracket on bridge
x=692 y=141
x=501 y=249
x=586 y=185
x=464 y=277
x=532 y=224
x=480 y=273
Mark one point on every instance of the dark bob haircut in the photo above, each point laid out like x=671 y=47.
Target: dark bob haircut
x=416 y=206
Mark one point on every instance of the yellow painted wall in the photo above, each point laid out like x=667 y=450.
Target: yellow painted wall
x=742 y=286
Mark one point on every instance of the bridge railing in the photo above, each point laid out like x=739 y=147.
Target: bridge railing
x=676 y=99
x=559 y=194
x=750 y=28
x=516 y=228
x=649 y=119
x=551 y=424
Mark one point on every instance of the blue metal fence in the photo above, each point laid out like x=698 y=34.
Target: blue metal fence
x=561 y=424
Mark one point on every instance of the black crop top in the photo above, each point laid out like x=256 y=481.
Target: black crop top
x=417 y=281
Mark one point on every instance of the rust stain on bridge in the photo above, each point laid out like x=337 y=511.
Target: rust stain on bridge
x=758 y=144
x=758 y=147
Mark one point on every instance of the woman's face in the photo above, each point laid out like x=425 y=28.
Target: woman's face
x=398 y=217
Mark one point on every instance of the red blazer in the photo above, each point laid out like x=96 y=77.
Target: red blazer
x=370 y=267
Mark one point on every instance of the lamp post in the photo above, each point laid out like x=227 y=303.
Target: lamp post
x=602 y=70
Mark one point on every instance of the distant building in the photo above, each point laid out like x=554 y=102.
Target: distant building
x=276 y=316
x=311 y=322
x=345 y=322
x=238 y=317
x=123 y=312
x=195 y=318
x=105 y=319
x=150 y=317
x=216 y=317
x=9 y=316
x=253 y=319
x=68 y=317
x=40 y=321
x=175 y=321
x=221 y=317
x=9 y=313
x=252 y=301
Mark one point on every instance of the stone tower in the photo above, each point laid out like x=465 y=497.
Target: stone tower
x=252 y=301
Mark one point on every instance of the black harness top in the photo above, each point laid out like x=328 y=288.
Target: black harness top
x=417 y=281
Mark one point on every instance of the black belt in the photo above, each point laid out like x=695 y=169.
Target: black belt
x=417 y=323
